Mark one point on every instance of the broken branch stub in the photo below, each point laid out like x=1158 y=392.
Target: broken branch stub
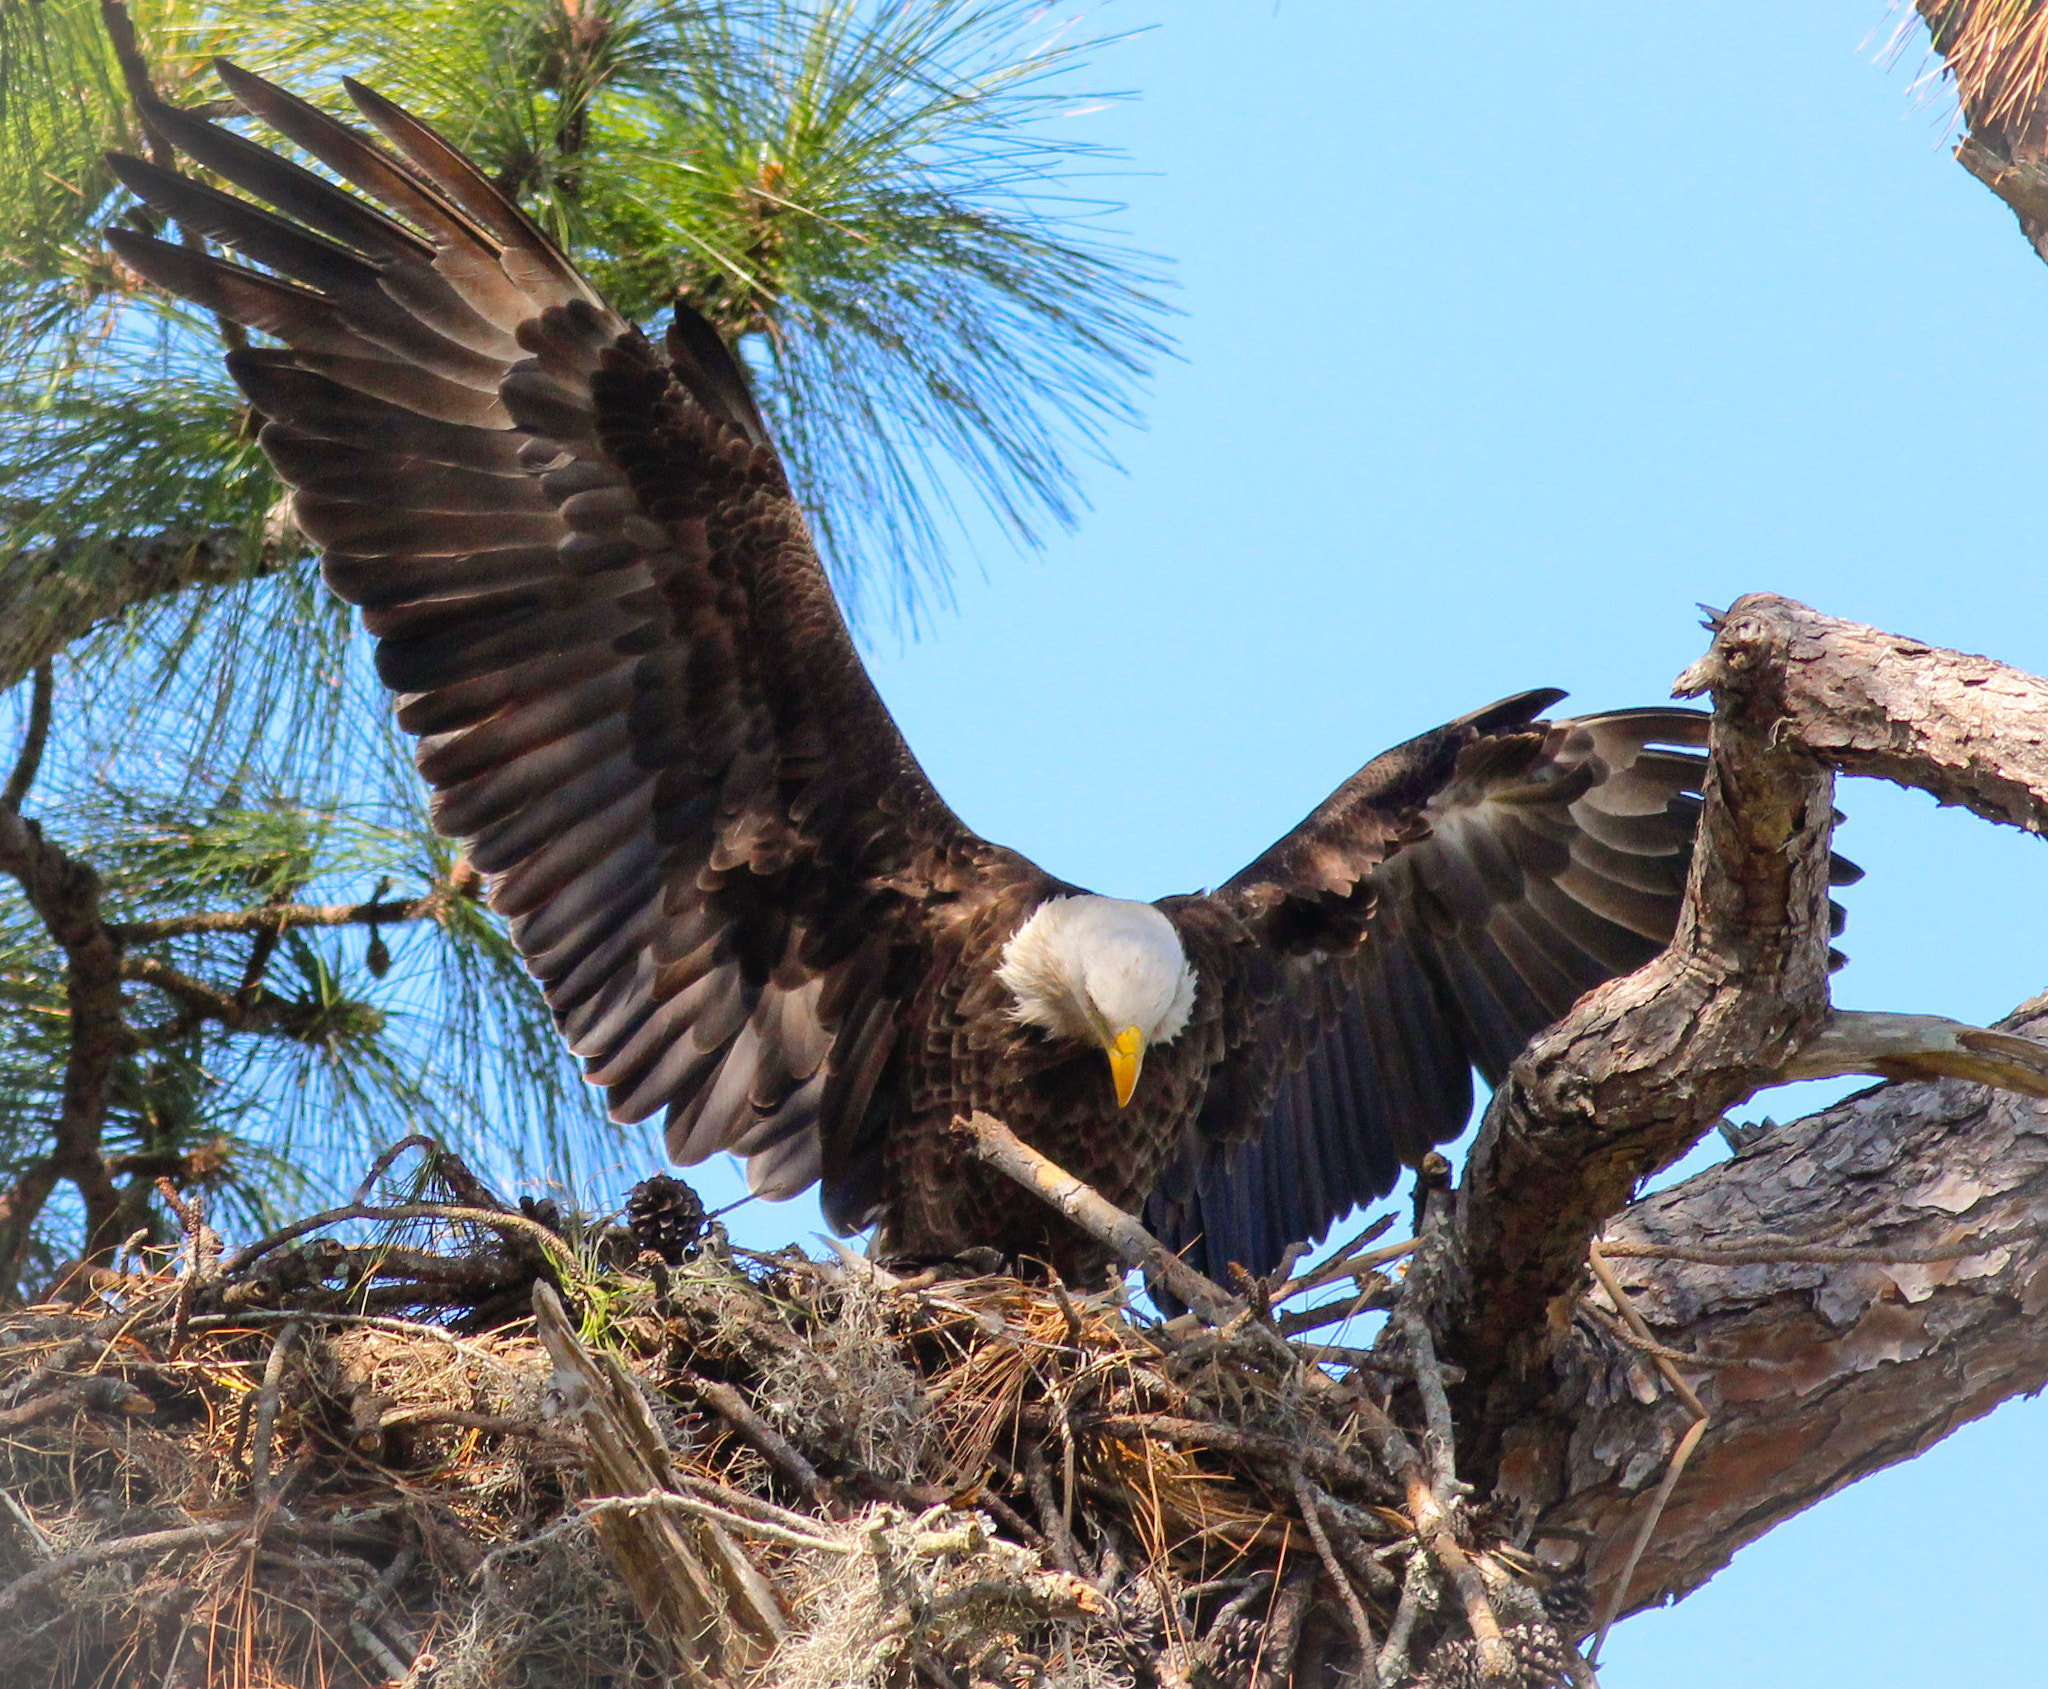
x=1965 y=729
x=711 y=1608
x=1889 y=1046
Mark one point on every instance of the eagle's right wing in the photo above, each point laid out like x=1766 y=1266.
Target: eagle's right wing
x=598 y=602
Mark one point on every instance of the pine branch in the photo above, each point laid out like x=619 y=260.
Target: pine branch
x=20 y=1207
x=180 y=1167
x=282 y=917
x=50 y=603
x=142 y=93
x=120 y=29
x=30 y=760
x=65 y=894
x=258 y=1011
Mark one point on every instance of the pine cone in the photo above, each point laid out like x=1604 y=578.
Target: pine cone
x=1540 y=1661
x=666 y=1216
x=1236 y=1639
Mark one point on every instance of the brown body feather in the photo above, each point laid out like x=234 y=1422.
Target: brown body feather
x=637 y=702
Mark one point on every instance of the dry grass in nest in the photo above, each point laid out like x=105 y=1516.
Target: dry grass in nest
x=742 y=1471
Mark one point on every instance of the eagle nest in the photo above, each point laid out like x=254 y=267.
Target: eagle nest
x=445 y=1442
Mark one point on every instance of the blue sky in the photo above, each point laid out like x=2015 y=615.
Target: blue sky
x=1509 y=335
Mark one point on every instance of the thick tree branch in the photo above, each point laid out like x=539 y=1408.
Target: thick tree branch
x=30 y=760
x=1822 y=1371
x=1965 y=729
x=53 y=598
x=1851 y=1290
x=19 y=1209
x=1889 y=1046
x=1641 y=1069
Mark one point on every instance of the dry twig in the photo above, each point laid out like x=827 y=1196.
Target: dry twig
x=1122 y=1233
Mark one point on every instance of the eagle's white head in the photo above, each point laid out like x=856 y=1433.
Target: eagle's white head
x=1102 y=971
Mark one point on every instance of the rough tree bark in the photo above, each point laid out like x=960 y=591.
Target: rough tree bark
x=1822 y=1370
x=1854 y=1286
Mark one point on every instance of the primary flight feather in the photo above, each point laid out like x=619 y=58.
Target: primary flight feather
x=637 y=703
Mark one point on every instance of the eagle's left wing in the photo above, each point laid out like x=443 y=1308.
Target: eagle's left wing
x=1453 y=898
x=596 y=597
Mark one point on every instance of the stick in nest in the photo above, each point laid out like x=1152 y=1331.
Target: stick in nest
x=1418 y=1596
x=991 y=1141
x=1283 y=1629
x=1310 y=1503
x=262 y=1447
x=1428 y=1485
x=117 y=1548
x=732 y=1407
x=518 y=1225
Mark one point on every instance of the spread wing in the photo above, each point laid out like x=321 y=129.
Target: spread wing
x=1497 y=869
x=598 y=603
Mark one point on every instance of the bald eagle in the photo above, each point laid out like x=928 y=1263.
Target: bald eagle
x=638 y=705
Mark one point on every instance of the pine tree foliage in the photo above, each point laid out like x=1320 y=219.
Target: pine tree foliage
x=876 y=202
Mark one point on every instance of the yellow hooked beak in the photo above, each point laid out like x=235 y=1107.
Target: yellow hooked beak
x=1126 y=1056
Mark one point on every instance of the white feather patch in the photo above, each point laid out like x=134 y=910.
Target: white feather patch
x=1086 y=967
